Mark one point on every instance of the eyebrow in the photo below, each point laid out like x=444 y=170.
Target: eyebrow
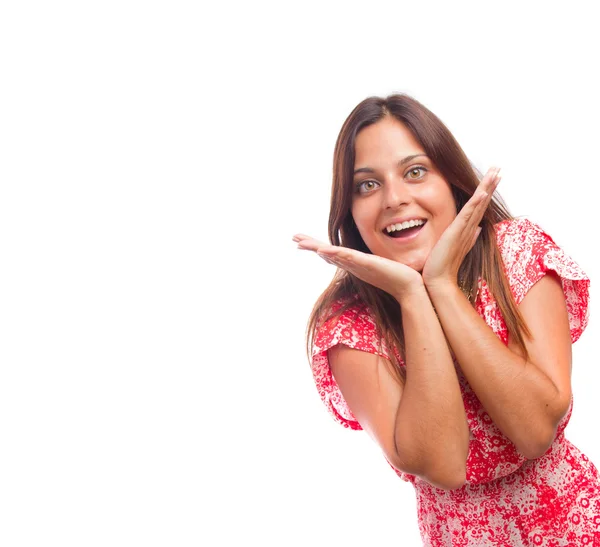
x=400 y=164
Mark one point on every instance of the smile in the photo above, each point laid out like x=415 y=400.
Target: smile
x=405 y=230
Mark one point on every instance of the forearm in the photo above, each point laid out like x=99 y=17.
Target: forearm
x=518 y=396
x=431 y=427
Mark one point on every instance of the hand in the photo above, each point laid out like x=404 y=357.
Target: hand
x=392 y=277
x=447 y=255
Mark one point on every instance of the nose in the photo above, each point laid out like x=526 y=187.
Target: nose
x=396 y=193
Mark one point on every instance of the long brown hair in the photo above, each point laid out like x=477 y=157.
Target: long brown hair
x=483 y=261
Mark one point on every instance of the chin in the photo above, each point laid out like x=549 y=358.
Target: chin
x=414 y=259
x=417 y=267
x=415 y=263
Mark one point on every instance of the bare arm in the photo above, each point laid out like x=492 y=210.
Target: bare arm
x=421 y=427
x=526 y=399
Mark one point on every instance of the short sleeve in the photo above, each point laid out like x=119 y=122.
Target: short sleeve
x=356 y=329
x=529 y=253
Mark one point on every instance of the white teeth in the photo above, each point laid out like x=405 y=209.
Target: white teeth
x=404 y=225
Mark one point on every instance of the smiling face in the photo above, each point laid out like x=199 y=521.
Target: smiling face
x=396 y=184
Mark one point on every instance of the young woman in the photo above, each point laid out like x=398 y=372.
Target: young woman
x=446 y=334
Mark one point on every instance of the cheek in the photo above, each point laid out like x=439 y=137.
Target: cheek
x=445 y=208
x=361 y=219
x=444 y=220
x=449 y=217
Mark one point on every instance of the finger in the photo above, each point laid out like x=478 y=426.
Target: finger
x=341 y=257
x=479 y=209
x=301 y=237
x=308 y=245
x=330 y=261
x=475 y=208
x=465 y=229
x=490 y=180
x=469 y=212
x=469 y=217
x=348 y=259
x=311 y=244
x=343 y=254
x=490 y=188
x=362 y=265
x=474 y=239
x=472 y=227
x=486 y=184
x=330 y=256
x=491 y=174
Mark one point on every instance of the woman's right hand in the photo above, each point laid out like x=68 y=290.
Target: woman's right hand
x=392 y=277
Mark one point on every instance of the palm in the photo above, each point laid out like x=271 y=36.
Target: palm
x=441 y=259
x=392 y=277
x=447 y=255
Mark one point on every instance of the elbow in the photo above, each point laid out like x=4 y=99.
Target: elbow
x=537 y=440
x=446 y=482
x=451 y=482
x=439 y=476
x=442 y=470
x=401 y=465
x=533 y=451
x=456 y=483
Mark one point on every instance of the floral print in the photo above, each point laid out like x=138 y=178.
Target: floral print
x=507 y=500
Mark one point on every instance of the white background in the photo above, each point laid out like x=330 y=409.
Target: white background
x=155 y=160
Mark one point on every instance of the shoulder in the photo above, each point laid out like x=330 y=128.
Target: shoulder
x=350 y=323
x=527 y=249
x=529 y=253
x=518 y=234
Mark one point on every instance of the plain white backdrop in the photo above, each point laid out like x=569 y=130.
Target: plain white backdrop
x=155 y=160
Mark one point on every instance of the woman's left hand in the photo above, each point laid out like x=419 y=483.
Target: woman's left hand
x=443 y=263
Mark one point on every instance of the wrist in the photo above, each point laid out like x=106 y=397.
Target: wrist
x=416 y=290
x=441 y=287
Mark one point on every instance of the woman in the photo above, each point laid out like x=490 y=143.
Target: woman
x=446 y=334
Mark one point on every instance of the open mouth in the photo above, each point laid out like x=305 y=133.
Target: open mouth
x=407 y=229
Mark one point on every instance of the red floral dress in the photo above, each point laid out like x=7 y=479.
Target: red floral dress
x=507 y=501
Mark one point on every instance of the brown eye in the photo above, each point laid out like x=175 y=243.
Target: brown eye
x=416 y=173
x=366 y=186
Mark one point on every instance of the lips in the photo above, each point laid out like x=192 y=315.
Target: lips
x=405 y=233
x=403 y=224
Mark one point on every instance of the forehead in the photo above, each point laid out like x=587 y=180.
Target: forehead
x=388 y=139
